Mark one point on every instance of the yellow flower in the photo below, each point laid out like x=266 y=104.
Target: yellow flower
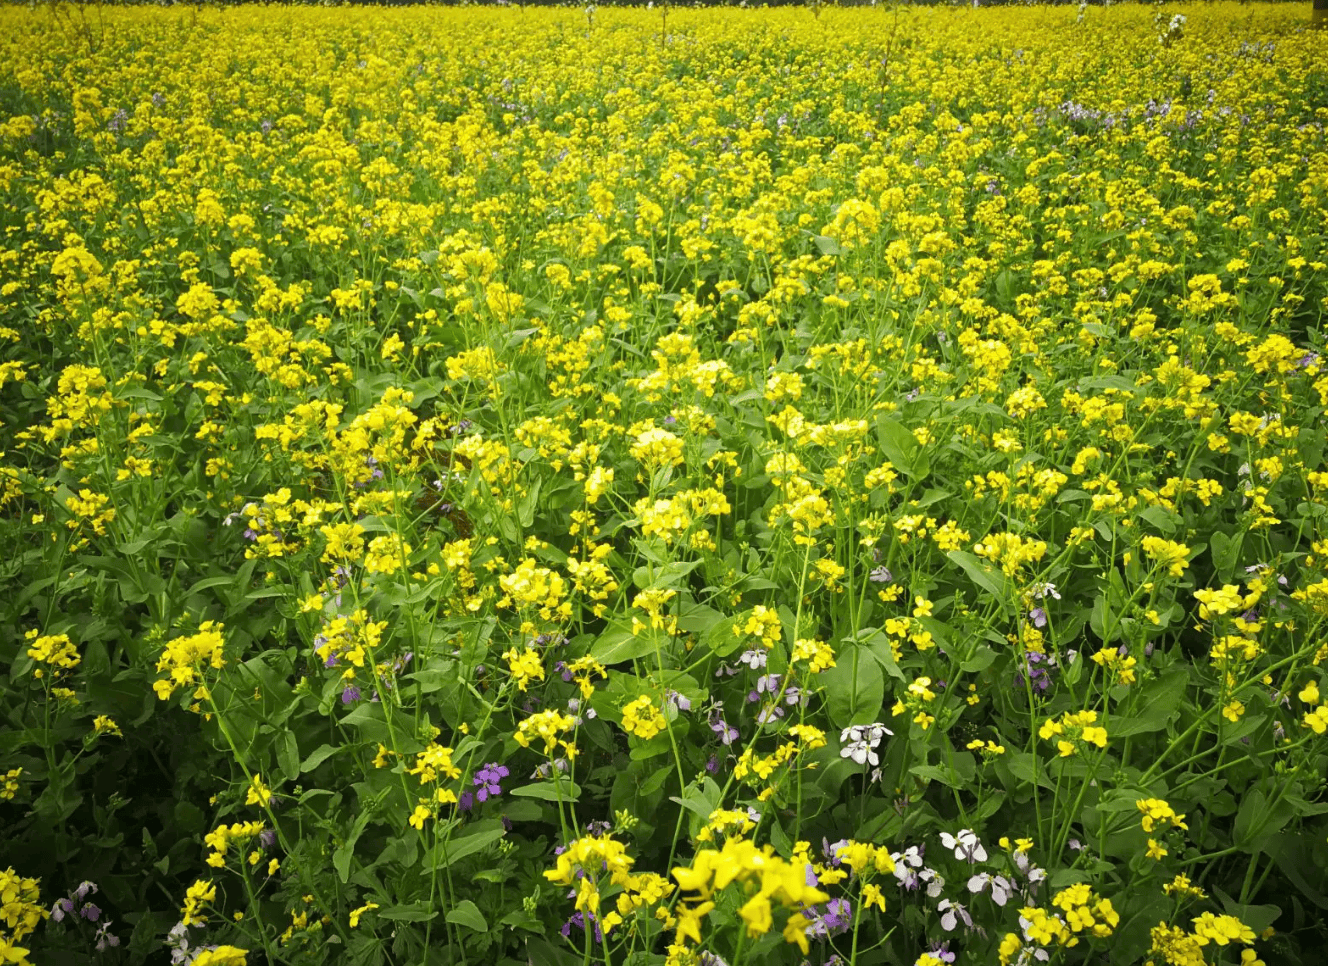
x=222 y=956
x=258 y=794
x=55 y=650
x=525 y=666
x=355 y=914
x=199 y=893
x=104 y=725
x=642 y=718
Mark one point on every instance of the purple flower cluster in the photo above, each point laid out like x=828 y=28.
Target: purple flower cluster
x=76 y=907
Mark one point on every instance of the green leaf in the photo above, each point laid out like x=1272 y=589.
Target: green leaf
x=288 y=755
x=877 y=644
x=417 y=911
x=827 y=245
x=981 y=659
x=466 y=913
x=1258 y=918
x=854 y=688
x=901 y=448
x=618 y=645
x=988 y=578
x=320 y=754
x=668 y=577
x=701 y=801
x=550 y=791
x=723 y=638
x=1225 y=551
x=1160 y=700
x=341 y=856
x=476 y=838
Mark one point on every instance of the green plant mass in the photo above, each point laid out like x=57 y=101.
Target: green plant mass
x=663 y=487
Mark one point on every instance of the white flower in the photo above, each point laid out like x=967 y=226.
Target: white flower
x=966 y=845
x=935 y=881
x=754 y=658
x=1000 y=886
x=860 y=742
x=911 y=856
x=951 y=912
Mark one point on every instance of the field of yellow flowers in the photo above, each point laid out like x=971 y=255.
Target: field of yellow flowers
x=704 y=488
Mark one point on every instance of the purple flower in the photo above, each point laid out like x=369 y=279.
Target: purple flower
x=1038 y=616
x=728 y=735
x=882 y=575
x=1039 y=667
x=488 y=779
x=579 y=922
x=838 y=914
x=679 y=701
x=350 y=694
x=942 y=952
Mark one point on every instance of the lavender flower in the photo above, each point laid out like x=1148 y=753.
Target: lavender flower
x=488 y=779
x=679 y=701
x=727 y=734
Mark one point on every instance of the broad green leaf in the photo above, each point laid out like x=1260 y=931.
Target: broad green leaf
x=417 y=911
x=466 y=913
x=550 y=791
x=854 y=688
x=993 y=581
x=476 y=838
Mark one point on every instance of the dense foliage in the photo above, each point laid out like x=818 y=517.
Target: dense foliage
x=643 y=487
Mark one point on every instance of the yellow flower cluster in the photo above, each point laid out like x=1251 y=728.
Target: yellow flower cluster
x=770 y=877
x=221 y=838
x=1173 y=556
x=1010 y=551
x=54 y=650
x=20 y=913
x=1073 y=729
x=818 y=654
x=185 y=657
x=525 y=666
x=349 y=640
x=433 y=761
x=584 y=862
x=641 y=718
x=1156 y=811
x=546 y=725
